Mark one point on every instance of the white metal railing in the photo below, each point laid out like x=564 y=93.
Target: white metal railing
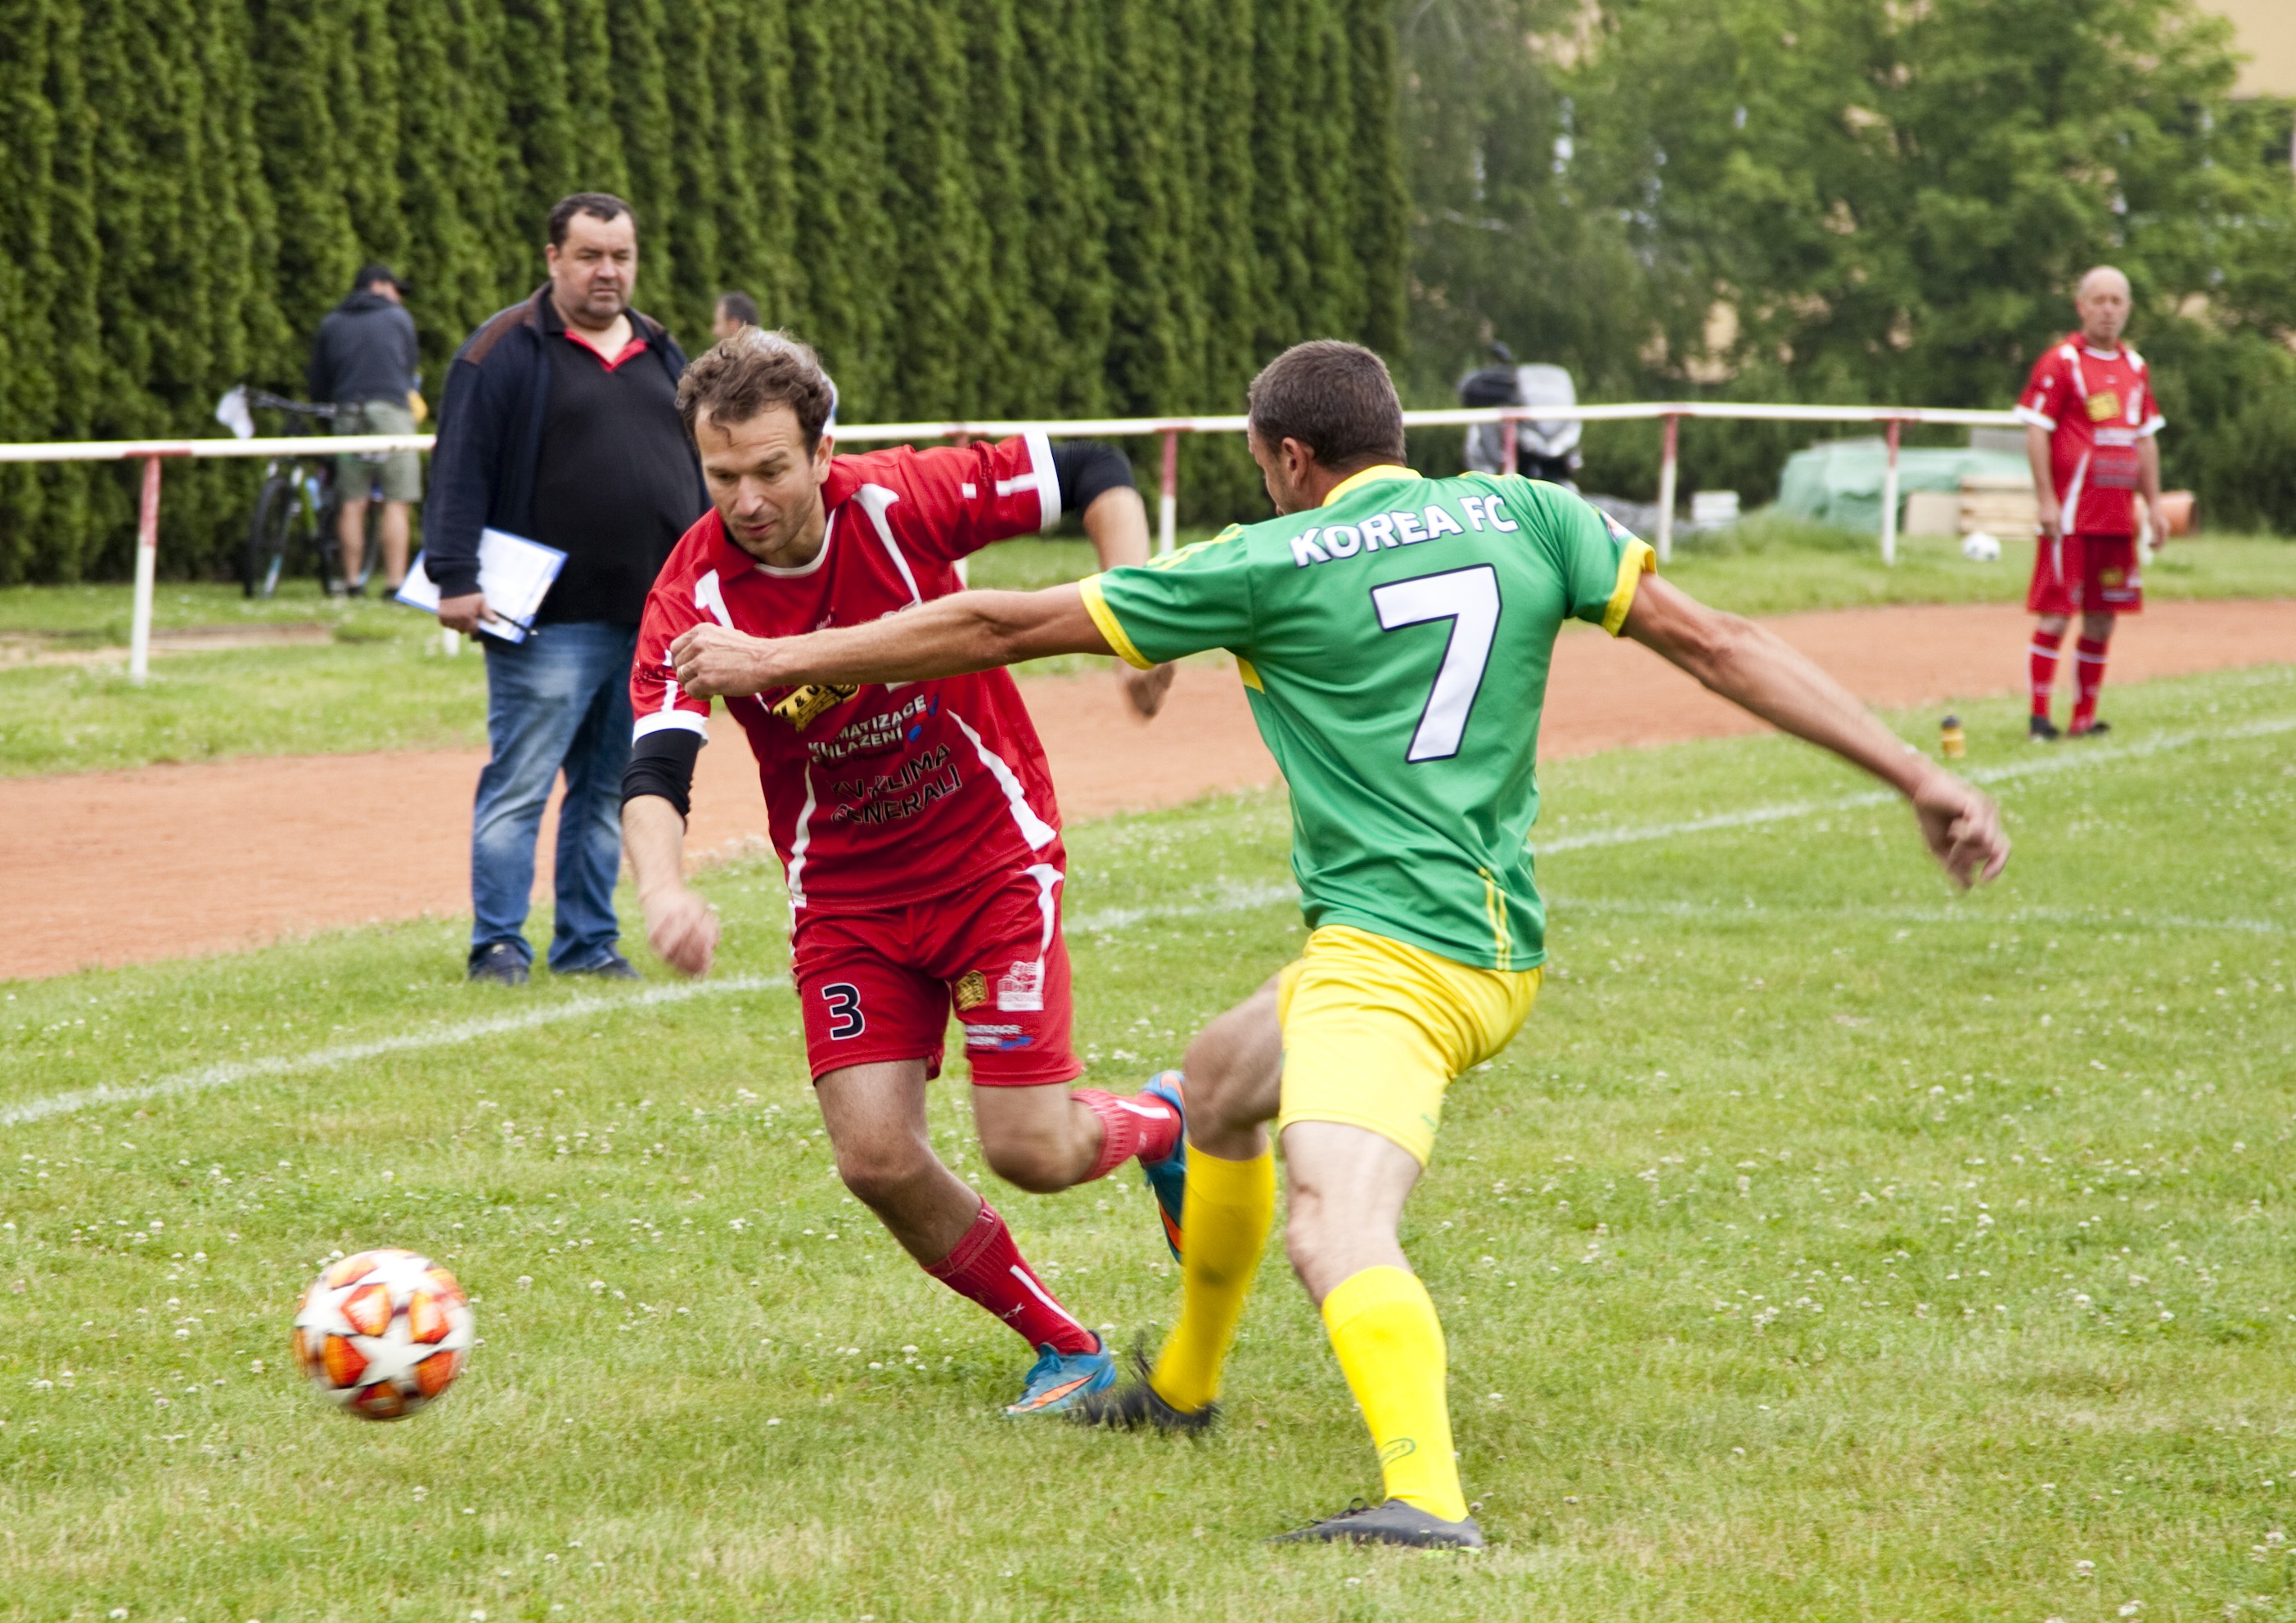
x=1893 y=420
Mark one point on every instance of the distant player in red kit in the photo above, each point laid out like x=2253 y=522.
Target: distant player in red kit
x=915 y=822
x=2090 y=428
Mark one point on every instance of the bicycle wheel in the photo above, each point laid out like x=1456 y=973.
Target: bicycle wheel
x=269 y=534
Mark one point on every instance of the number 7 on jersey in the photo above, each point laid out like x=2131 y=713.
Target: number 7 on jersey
x=1470 y=599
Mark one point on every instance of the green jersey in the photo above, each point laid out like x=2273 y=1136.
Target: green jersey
x=1395 y=642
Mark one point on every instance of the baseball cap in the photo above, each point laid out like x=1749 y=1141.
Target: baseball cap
x=374 y=271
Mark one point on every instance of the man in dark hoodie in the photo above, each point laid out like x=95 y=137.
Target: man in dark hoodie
x=560 y=424
x=363 y=363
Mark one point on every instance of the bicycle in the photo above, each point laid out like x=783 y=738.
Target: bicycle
x=296 y=511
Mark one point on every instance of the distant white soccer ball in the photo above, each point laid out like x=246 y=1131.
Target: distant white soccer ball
x=383 y=1333
x=1979 y=547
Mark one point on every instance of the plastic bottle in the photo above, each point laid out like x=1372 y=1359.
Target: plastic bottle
x=1951 y=744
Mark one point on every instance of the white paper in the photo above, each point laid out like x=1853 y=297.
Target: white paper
x=514 y=575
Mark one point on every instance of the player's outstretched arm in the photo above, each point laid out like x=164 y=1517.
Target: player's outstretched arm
x=967 y=631
x=1753 y=668
x=679 y=924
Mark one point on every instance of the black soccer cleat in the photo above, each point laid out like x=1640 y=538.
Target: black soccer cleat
x=2095 y=729
x=1135 y=1405
x=1394 y=1523
x=2041 y=730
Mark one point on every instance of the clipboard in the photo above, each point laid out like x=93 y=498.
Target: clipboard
x=514 y=574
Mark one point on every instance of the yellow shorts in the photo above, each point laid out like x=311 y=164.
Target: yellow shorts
x=1374 y=1031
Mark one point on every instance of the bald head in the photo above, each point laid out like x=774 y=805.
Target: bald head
x=2103 y=301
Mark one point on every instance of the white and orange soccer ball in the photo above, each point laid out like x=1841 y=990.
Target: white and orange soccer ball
x=383 y=1333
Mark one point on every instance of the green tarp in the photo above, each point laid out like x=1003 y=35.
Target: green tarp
x=1840 y=481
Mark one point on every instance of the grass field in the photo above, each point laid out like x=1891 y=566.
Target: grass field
x=1827 y=1246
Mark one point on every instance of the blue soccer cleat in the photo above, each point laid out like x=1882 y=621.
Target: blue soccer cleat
x=1167 y=1179
x=1060 y=1381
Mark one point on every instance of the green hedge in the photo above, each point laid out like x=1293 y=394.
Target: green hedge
x=998 y=208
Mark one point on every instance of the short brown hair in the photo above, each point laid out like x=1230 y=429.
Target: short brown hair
x=755 y=370
x=597 y=205
x=1333 y=398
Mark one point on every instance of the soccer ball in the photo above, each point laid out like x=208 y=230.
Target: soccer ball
x=383 y=1333
x=1979 y=547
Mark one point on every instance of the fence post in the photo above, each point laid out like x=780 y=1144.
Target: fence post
x=1889 y=497
x=1508 y=455
x=147 y=560
x=1668 y=469
x=1168 y=501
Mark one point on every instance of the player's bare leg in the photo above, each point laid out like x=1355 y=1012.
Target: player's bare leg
x=394 y=532
x=1043 y=1139
x=875 y=1115
x=1348 y=1188
x=2088 y=671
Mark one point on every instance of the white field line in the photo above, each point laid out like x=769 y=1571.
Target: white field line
x=1239 y=898
x=2095 y=919
x=2064 y=758
x=230 y=1071
x=1234 y=898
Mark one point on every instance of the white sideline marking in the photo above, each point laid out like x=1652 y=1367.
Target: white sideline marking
x=1235 y=898
x=2075 y=757
x=2093 y=918
x=224 y=1075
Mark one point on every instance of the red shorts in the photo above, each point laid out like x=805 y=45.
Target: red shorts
x=877 y=985
x=2085 y=575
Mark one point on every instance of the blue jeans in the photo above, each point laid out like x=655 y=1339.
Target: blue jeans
x=560 y=699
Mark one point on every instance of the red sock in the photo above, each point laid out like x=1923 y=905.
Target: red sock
x=2088 y=677
x=2041 y=662
x=1143 y=1125
x=986 y=1267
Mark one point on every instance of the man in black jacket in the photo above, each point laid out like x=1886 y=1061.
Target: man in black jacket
x=363 y=363
x=560 y=424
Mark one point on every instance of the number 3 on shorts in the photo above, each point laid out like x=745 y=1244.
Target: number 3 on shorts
x=844 y=1003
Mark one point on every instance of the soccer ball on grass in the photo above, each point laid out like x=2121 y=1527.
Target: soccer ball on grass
x=383 y=1333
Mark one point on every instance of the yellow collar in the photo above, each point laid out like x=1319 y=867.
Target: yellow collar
x=1369 y=476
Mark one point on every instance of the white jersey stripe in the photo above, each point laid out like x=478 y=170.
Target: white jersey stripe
x=1034 y=829
x=800 y=841
x=875 y=500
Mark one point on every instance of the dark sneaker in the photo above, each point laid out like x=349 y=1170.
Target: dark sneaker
x=1167 y=1179
x=613 y=966
x=2095 y=729
x=501 y=963
x=2041 y=730
x=1393 y=1522
x=1135 y=1404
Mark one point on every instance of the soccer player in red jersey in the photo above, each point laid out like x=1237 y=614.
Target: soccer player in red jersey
x=2090 y=427
x=915 y=820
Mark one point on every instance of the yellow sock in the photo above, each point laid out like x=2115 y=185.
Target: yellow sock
x=1383 y=1327
x=1229 y=1207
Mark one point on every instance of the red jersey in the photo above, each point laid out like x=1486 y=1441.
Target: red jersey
x=887 y=793
x=2097 y=407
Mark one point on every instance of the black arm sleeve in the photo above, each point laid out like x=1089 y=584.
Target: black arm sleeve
x=662 y=764
x=1088 y=468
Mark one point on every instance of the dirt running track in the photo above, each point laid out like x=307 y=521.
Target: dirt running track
x=125 y=867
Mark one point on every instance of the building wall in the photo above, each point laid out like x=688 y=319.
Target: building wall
x=2267 y=34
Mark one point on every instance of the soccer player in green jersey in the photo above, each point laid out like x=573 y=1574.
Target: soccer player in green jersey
x=1394 y=632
